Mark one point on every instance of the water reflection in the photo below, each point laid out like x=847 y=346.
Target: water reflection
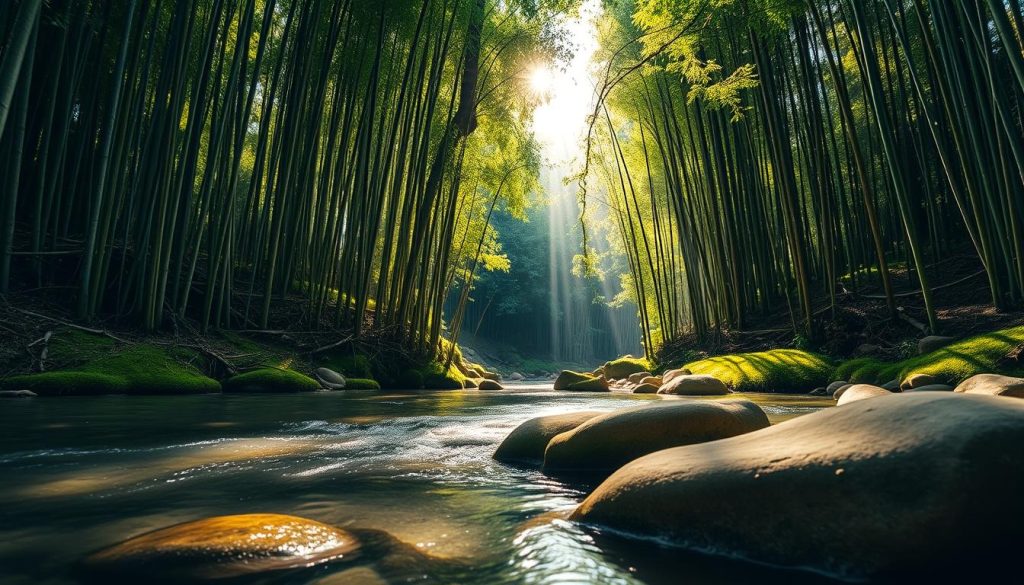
x=80 y=474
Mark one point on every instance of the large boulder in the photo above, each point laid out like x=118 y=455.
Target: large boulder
x=887 y=487
x=860 y=392
x=694 y=385
x=932 y=342
x=569 y=377
x=993 y=384
x=527 y=442
x=224 y=547
x=623 y=367
x=656 y=380
x=607 y=442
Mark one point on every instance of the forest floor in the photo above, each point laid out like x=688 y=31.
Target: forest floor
x=859 y=324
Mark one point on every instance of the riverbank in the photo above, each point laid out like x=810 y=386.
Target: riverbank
x=48 y=354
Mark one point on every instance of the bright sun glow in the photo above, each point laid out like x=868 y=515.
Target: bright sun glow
x=566 y=90
x=540 y=78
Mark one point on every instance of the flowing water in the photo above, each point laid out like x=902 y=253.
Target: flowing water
x=79 y=474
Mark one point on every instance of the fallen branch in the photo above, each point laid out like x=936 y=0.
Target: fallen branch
x=72 y=325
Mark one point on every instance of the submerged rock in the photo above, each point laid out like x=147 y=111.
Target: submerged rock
x=224 y=547
x=329 y=378
x=569 y=377
x=694 y=385
x=605 y=443
x=489 y=385
x=527 y=442
x=860 y=392
x=993 y=384
x=892 y=486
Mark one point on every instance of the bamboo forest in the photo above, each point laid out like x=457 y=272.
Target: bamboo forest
x=517 y=292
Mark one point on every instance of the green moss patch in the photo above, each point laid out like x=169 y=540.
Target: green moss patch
x=624 y=366
x=437 y=377
x=361 y=384
x=951 y=364
x=139 y=369
x=779 y=370
x=267 y=380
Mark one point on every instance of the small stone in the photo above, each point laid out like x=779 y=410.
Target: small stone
x=329 y=378
x=892 y=385
x=673 y=374
x=656 y=380
x=820 y=391
x=839 y=391
x=646 y=388
x=515 y=377
x=831 y=388
x=635 y=378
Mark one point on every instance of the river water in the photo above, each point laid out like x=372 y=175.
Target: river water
x=79 y=474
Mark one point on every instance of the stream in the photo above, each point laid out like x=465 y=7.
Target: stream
x=80 y=474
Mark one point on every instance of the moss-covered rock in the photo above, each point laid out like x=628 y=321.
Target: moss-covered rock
x=624 y=366
x=138 y=369
x=695 y=385
x=266 y=380
x=361 y=384
x=951 y=364
x=779 y=370
x=568 y=377
x=590 y=385
x=350 y=365
x=437 y=377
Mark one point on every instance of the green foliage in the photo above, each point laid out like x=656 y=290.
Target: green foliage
x=780 y=370
x=271 y=380
x=139 y=369
x=952 y=364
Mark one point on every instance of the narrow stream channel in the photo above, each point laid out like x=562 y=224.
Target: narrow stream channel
x=78 y=474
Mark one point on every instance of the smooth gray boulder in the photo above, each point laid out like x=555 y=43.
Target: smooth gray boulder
x=994 y=385
x=329 y=378
x=486 y=384
x=831 y=388
x=933 y=342
x=896 y=487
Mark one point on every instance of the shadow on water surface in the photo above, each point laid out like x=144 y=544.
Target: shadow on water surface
x=412 y=471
